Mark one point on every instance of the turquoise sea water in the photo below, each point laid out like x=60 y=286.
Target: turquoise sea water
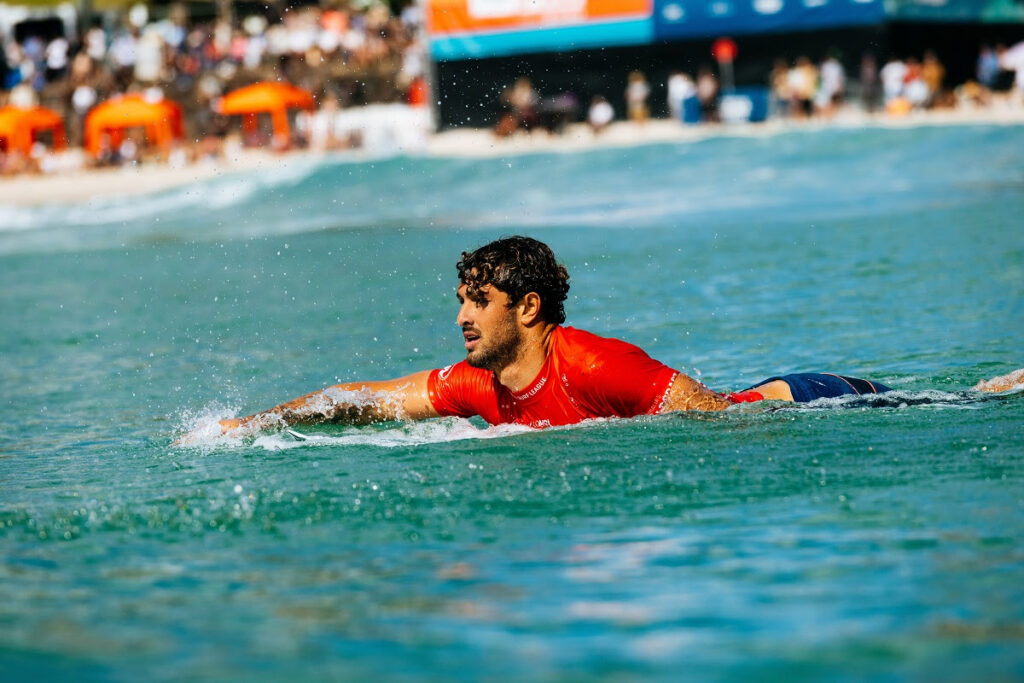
x=836 y=541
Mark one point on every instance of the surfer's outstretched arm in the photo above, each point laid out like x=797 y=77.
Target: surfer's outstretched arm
x=405 y=398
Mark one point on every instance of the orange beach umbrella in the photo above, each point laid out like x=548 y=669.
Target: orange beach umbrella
x=269 y=97
x=18 y=127
x=159 y=117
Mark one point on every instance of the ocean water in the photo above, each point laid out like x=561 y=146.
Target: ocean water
x=841 y=540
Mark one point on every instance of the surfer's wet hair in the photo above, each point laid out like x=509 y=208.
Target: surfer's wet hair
x=517 y=266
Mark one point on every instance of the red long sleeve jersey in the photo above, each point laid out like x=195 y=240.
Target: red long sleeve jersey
x=584 y=376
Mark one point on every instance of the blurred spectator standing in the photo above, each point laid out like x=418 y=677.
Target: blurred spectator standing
x=637 y=92
x=600 y=114
x=86 y=84
x=149 y=57
x=915 y=90
x=321 y=127
x=988 y=67
x=523 y=100
x=95 y=43
x=803 y=85
x=555 y=113
x=1012 y=60
x=832 y=86
x=933 y=73
x=31 y=62
x=56 y=59
x=869 y=85
x=778 y=83
x=707 y=93
x=676 y=91
x=892 y=76
x=123 y=51
x=682 y=98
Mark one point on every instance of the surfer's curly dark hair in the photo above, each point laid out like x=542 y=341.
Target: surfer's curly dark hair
x=517 y=266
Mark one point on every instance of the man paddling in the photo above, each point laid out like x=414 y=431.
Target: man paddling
x=523 y=366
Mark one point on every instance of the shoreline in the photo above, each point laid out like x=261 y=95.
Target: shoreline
x=84 y=186
x=469 y=143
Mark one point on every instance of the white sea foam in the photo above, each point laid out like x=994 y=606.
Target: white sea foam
x=903 y=398
x=401 y=435
x=201 y=429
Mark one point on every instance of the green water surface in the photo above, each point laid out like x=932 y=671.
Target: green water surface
x=850 y=540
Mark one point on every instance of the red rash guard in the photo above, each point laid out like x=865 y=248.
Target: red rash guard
x=584 y=376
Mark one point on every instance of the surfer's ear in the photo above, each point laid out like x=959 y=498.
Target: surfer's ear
x=529 y=308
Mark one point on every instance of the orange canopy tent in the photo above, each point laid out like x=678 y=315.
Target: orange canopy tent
x=18 y=128
x=269 y=97
x=160 y=118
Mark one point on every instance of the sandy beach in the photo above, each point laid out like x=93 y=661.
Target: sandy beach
x=84 y=186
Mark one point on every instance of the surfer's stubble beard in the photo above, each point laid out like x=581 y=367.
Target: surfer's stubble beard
x=499 y=347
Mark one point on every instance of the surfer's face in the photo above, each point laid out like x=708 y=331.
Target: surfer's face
x=492 y=337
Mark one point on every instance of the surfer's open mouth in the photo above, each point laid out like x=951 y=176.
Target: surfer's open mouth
x=471 y=338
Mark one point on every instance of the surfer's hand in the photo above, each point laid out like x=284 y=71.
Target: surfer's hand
x=1002 y=383
x=207 y=431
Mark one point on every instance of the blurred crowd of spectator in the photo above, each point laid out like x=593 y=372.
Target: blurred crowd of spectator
x=346 y=56
x=898 y=87
x=339 y=54
x=797 y=89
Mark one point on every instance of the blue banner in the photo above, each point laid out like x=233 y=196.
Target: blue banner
x=675 y=19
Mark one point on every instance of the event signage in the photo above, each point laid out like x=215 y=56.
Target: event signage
x=467 y=29
x=461 y=29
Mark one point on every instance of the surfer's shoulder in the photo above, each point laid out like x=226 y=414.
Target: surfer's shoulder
x=584 y=356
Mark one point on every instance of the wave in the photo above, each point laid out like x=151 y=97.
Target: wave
x=224 y=192
x=789 y=177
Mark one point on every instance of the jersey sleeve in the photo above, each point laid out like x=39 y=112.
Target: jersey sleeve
x=620 y=379
x=461 y=390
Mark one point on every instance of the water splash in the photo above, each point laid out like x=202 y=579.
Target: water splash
x=397 y=435
x=201 y=428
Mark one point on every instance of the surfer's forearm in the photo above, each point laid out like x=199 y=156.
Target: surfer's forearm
x=354 y=403
x=326 y=406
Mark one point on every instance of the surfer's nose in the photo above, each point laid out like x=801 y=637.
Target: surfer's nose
x=464 y=318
